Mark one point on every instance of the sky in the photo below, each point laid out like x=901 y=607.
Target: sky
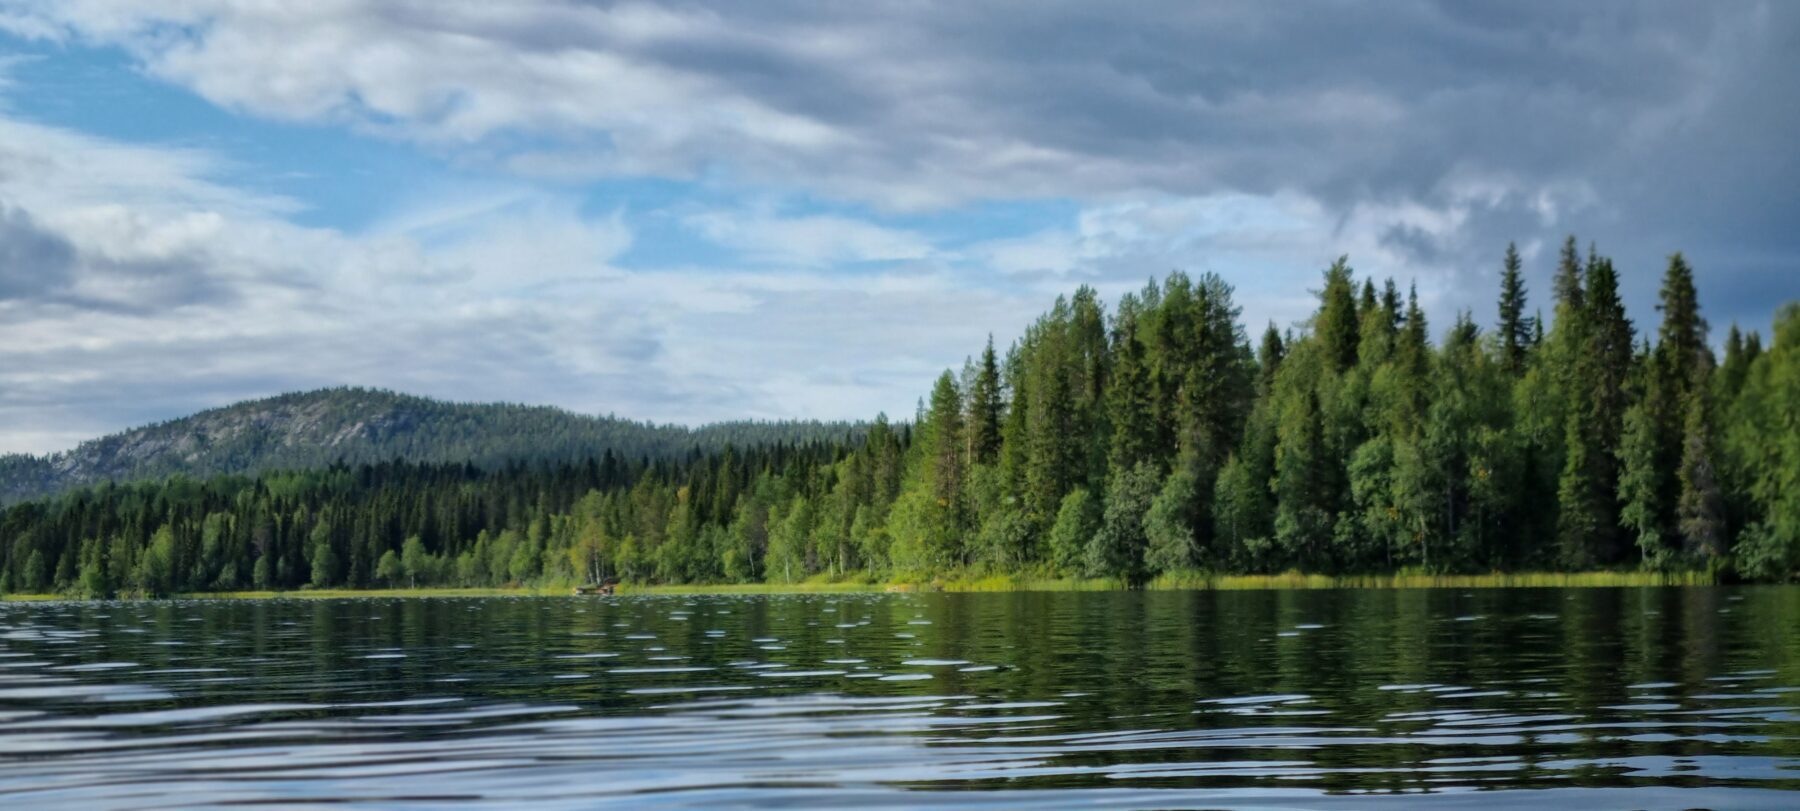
x=689 y=211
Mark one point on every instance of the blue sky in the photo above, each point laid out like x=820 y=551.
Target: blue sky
x=691 y=212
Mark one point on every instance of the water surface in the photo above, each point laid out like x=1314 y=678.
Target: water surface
x=1523 y=698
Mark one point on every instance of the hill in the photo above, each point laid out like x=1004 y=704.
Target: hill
x=316 y=428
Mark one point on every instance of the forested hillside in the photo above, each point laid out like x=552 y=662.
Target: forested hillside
x=317 y=428
x=1148 y=440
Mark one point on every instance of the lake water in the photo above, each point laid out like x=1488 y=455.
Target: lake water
x=1591 y=698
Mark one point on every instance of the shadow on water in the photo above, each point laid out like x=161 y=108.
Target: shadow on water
x=1642 y=698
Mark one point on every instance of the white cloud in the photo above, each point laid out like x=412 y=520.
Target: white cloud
x=185 y=292
x=924 y=105
x=1243 y=140
x=808 y=241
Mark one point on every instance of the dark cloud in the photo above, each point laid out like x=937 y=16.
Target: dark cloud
x=42 y=267
x=33 y=262
x=1648 y=126
x=1645 y=126
x=1427 y=134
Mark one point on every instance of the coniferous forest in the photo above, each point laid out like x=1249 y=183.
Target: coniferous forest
x=1157 y=437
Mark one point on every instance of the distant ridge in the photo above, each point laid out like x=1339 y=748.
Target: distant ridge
x=318 y=428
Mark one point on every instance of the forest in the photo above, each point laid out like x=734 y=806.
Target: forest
x=1149 y=440
x=312 y=429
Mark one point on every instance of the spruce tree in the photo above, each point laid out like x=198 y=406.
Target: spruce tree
x=1335 y=324
x=1643 y=475
x=1588 y=522
x=984 y=408
x=1681 y=341
x=1735 y=366
x=1702 y=506
x=1413 y=359
x=1568 y=282
x=1054 y=454
x=1132 y=405
x=1268 y=361
x=946 y=445
x=1515 y=328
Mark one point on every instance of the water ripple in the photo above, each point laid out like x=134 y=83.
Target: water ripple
x=1633 y=698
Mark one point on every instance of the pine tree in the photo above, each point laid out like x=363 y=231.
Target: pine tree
x=1335 y=324
x=1702 y=506
x=1515 y=328
x=1569 y=280
x=946 y=452
x=1268 y=361
x=1054 y=452
x=1642 y=473
x=984 y=408
x=1589 y=518
x=1574 y=489
x=1132 y=404
x=1681 y=341
x=1413 y=362
x=1302 y=513
x=1735 y=366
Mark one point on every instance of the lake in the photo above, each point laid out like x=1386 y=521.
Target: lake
x=1445 y=698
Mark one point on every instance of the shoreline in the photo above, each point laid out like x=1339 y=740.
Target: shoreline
x=1291 y=581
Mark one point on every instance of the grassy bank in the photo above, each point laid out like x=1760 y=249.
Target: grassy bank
x=1183 y=581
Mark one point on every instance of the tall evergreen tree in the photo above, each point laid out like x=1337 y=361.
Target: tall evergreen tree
x=1268 y=360
x=946 y=448
x=1643 y=474
x=1702 y=506
x=1335 y=324
x=985 y=408
x=1132 y=404
x=1735 y=367
x=1681 y=341
x=1515 y=328
x=1054 y=450
x=1588 y=526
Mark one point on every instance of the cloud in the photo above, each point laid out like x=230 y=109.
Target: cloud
x=1650 y=127
x=119 y=305
x=1256 y=140
x=33 y=262
x=921 y=104
x=808 y=241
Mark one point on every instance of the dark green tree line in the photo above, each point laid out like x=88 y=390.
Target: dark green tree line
x=1147 y=440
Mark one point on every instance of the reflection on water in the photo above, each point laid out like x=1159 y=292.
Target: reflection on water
x=1640 y=698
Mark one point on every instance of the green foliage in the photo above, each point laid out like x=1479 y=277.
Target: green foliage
x=1169 y=529
x=324 y=566
x=388 y=569
x=1701 y=510
x=1762 y=446
x=1515 y=328
x=1117 y=549
x=1077 y=522
x=1335 y=324
x=1147 y=444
